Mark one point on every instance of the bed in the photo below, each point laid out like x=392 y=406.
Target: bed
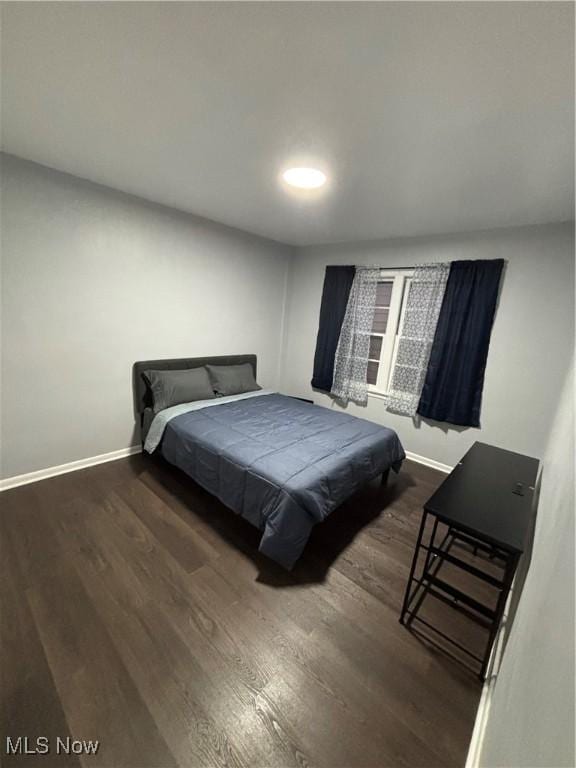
x=281 y=463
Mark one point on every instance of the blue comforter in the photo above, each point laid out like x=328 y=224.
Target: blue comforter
x=282 y=464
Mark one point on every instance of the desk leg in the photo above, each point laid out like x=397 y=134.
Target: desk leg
x=413 y=566
x=510 y=570
x=429 y=556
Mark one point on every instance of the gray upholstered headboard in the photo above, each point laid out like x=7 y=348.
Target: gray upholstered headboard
x=141 y=394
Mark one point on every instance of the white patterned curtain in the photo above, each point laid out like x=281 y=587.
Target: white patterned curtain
x=415 y=344
x=351 y=360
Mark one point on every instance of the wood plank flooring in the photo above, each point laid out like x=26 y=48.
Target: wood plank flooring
x=136 y=611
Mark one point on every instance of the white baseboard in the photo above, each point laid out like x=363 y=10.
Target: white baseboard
x=446 y=468
x=477 y=740
x=474 y=757
x=72 y=466
x=91 y=461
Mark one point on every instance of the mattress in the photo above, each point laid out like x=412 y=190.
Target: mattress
x=282 y=464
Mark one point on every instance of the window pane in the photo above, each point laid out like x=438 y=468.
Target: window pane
x=372 y=373
x=375 y=347
x=384 y=294
x=380 y=320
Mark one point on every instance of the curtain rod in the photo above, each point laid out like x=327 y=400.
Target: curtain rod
x=376 y=266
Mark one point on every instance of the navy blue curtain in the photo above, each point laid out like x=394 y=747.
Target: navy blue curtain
x=452 y=389
x=337 y=284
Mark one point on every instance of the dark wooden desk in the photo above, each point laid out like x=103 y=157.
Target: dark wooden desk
x=486 y=502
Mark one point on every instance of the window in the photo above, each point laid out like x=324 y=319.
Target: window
x=388 y=316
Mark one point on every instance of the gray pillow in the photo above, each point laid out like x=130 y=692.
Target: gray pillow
x=232 y=379
x=175 y=387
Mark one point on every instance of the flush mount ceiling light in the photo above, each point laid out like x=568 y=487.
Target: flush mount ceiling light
x=304 y=178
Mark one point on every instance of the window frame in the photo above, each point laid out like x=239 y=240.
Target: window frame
x=389 y=350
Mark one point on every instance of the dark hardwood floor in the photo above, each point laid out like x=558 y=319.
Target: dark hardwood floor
x=136 y=611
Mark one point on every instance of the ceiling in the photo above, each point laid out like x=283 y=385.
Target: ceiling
x=426 y=117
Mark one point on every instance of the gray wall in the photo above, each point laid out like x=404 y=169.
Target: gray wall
x=532 y=337
x=94 y=280
x=531 y=715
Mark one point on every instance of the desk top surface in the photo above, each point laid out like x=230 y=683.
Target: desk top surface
x=490 y=494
